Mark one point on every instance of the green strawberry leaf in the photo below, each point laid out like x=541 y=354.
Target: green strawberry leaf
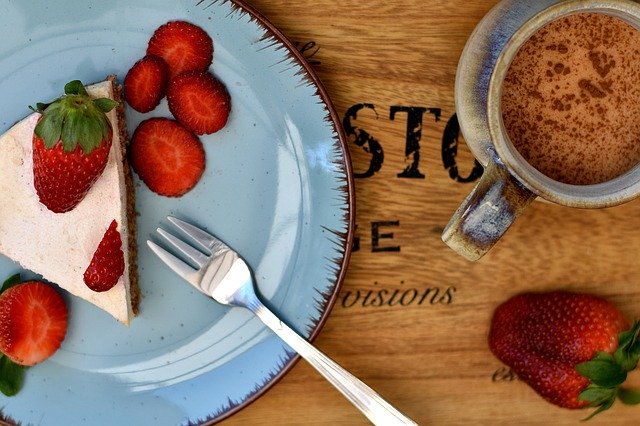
x=10 y=282
x=49 y=127
x=628 y=352
x=605 y=406
x=603 y=356
x=597 y=395
x=629 y=396
x=607 y=372
x=40 y=107
x=71 y=130
x=634 y=350
x=75 y=119
x=75 y=87
x=627 y=338
x=105 y=104
x=603 y=371
x=11 y=376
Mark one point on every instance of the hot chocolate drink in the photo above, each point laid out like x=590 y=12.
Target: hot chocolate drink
x=571 y=99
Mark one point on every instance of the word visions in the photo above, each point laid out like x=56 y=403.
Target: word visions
x=382 y=296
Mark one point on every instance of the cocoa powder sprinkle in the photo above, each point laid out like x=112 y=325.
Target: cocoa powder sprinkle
x=571 y=99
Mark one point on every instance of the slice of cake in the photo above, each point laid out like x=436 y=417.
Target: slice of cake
x=60 y=246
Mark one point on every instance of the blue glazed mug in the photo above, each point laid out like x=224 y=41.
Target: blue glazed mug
x=509 y=183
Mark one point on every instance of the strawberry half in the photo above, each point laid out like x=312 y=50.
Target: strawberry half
x=199 y=101
x=71 y=144
x=570 y=348
x=33 y=322
x=183 y=45
x=168 y=158
x=107 y=264
x=146 y=83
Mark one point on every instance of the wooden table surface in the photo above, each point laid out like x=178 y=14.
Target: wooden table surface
x=390 y=67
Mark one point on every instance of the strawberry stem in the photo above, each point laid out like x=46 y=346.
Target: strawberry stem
x=75 y=119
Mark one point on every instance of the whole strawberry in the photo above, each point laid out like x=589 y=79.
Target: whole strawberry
x=71 y=144
x=570 y=348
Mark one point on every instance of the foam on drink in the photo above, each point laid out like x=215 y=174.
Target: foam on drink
x=571 y=99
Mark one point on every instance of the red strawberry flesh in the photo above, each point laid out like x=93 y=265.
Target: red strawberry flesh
x=199 y=101
x=167 y=157
x=107 y=263
x=62 y=179
x=146 y=83
x=183 y=45
x=33 y=322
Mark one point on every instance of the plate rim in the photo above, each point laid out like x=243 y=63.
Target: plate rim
x=346 y=238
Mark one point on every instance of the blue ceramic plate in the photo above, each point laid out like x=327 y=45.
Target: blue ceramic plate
x=277 y=187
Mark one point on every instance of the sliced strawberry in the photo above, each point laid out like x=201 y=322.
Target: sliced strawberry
x=146 y=83
x=168 y=158
x=107 y=264
x=199 y=101
x=184 y=46
x=33 y=322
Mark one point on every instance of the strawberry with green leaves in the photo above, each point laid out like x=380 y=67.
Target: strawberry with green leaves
x=575 y=350
x=71 y=144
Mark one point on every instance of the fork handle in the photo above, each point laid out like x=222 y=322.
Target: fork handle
x=372 y=405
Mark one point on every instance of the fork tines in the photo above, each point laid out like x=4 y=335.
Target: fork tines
x=198 y=259
x=201 y=237
x=180 y=267
x=191 y=253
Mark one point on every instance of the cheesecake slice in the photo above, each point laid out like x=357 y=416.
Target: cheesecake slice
x=60 y=246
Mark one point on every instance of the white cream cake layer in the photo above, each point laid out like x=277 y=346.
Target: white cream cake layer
x=59 y=246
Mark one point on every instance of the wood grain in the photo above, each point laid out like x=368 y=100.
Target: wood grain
x=431 y=359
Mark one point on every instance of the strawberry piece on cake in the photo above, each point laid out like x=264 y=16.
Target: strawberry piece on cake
x=107 y=264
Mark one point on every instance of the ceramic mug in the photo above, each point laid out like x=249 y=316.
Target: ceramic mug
x=509 y=183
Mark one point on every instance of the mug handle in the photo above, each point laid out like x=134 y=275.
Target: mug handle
x=487 y=212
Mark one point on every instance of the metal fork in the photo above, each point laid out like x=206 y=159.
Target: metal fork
x=225 y=277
